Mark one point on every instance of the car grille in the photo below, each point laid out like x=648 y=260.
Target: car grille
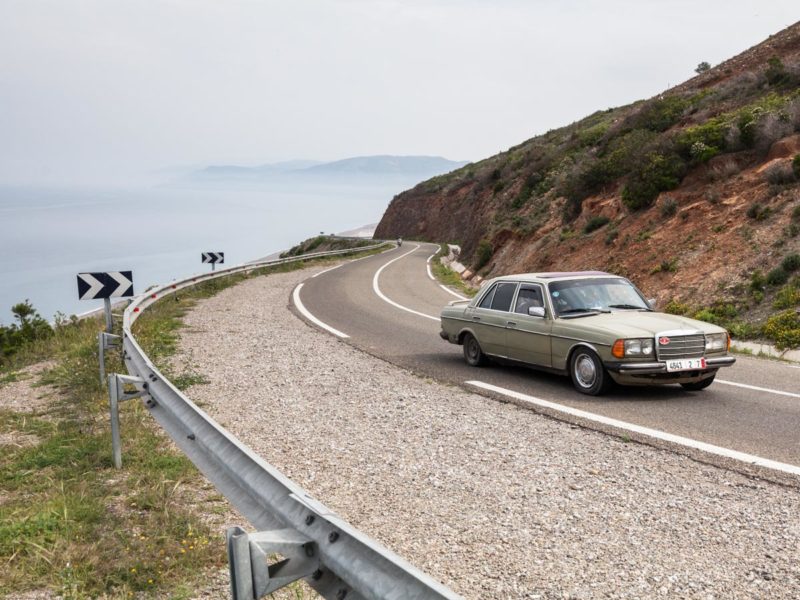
x=681 y=346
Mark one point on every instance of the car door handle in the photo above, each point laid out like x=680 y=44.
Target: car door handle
x=476 y=318
x=511 y=324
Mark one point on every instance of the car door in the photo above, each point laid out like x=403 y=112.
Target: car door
x=490 y=317
x=528 y=336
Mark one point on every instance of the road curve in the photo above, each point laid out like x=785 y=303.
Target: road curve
x=388 y=306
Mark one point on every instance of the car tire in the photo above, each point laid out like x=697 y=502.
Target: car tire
x=472 y=352
x=588 y=374
x=696 y=386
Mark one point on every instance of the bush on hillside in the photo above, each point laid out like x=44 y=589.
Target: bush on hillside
x=595 y=223
x=659 y=173
x=30 y=327
x=784 y=329
x=777 y=276
x=702 y=67
x=780 y=174
x=796 y=166
x=483 y=254
x=791 y=263
x=700 y=143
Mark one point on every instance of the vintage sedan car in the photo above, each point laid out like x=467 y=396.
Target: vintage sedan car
x=594 y=326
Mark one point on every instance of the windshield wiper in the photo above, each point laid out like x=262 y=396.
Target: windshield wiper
x=584 y=310
x=631 y=306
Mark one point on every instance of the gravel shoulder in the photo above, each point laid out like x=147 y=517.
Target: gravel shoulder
x=493 y=500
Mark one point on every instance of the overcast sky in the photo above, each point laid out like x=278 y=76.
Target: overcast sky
x=95 y=90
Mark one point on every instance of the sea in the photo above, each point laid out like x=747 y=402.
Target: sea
x=49 y=235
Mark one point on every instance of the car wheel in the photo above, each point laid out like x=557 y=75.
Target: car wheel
x=472 y=352
x=696 y=386
x=588 y=374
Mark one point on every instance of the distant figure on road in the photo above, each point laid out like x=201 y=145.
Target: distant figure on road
x=399 y=242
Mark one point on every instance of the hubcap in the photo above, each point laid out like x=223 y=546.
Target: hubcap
x=473 y=349
x=585 y=371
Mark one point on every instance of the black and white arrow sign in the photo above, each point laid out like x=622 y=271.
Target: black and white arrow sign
x=213 y=257
x=114 y=284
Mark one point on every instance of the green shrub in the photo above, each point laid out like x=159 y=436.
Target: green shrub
x=757 y=281
x=780 y=174
x=758 y=211
x=787 y=297
x=595 y=223
x=701 y=142
x=791 y=263
x=777 y=276
x=661 y=114
x=796 y=214
x=29 y=328
x=784 y=329
x=718 y=314
x=776 y=73
x=702 y=67
x=796 y=165
x=674 y=307
x=659 y=173
x=669 y=208
x=611 y=236
x=483 y=254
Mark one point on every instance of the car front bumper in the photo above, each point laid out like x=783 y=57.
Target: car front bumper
x=658 y=367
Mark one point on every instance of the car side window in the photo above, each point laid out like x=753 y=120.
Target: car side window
x=528 y=296
x=503 y=296
x=487 y=299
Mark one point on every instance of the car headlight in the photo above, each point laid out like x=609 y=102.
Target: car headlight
x=632 y=348
x=716 y=342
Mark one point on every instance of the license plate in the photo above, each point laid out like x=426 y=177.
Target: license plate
x=686 y=364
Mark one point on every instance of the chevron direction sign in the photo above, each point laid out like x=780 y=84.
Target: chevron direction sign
x=114 y=284
x=213 y=257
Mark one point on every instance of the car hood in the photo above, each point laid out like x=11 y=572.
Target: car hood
x=629 y=324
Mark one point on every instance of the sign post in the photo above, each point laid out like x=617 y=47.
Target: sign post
x=213 y=258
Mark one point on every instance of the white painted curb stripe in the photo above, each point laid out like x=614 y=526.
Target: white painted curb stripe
x=758 y=389
x=653 y=433
x=449 y=291
x=383 y=297
x=304 y=311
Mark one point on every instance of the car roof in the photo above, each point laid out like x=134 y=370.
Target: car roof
x=555 y=275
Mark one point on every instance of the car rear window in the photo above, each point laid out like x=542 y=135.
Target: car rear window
x=503 y=296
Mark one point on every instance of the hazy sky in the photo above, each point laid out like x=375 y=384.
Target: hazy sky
x=95 y=90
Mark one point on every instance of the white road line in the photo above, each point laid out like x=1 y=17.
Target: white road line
x=758 y=389
x=383 y=297
x=331 y=269
x=428 y=266
x=653 y=433
x=456 y=294
x=304 y=311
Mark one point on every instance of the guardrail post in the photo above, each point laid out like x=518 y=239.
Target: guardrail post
x=117 y=394
x=252 y=576
x=104 y=342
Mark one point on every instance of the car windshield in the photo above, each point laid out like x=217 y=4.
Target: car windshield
x=580 y=297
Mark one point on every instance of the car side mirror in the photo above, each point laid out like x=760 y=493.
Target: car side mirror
x=652 y=303
x=536 y=311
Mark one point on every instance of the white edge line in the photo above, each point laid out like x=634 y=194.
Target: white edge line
x=304 y=311
x=449 y=291
x=758 y=389
x=653 y=433
x=326 y=270
x=428 y=266
x=376 y=288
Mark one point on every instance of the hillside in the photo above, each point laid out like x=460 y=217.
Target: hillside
x=693 y=194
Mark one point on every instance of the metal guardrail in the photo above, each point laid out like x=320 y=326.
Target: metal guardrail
x=309 y=540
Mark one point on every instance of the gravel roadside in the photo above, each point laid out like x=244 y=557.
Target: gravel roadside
x=493 y=500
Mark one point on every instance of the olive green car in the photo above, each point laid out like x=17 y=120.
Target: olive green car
x=594 y=326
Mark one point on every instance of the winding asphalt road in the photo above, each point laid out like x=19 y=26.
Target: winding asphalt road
x=388 y=305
